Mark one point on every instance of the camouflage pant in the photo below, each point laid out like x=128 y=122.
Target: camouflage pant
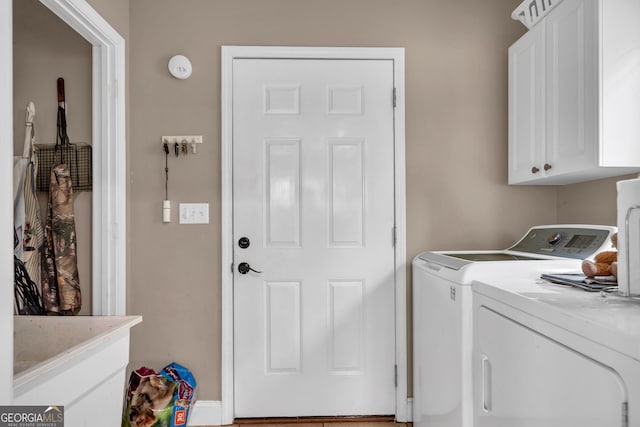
x=60 y=283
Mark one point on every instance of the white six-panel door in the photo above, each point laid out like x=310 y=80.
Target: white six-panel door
x=313 y=192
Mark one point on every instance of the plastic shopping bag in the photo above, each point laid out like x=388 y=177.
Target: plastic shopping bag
x=159 y=399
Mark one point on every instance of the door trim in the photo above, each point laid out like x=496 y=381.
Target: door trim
x=228 y=54
x=109 y=139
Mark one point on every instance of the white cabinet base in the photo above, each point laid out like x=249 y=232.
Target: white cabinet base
x=77 y=362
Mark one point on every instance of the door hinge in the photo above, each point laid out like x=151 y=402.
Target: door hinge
x=395 y=97
x=625 y=414
x=394 y=235
x=395 y=376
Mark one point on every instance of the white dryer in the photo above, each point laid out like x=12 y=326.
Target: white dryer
x=443 y=310
x=547 y=355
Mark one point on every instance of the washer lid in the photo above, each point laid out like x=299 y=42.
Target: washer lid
x=491 y=256
x=457 y=260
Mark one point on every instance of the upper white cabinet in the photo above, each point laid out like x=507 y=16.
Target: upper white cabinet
x=574 y=94
x=527 y=106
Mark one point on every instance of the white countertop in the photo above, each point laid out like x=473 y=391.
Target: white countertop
x=42 y=343
x=611 y=320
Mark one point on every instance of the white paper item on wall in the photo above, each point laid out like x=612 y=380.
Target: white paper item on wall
x=629 y=237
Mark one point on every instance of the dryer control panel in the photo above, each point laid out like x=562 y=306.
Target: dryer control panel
x=568 y=241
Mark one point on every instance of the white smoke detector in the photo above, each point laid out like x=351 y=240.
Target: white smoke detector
x=180 y=67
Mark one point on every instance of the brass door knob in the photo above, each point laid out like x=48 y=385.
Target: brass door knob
x=535 y=170
x=547 y=166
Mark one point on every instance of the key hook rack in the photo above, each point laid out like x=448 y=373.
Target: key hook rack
x=182 y=144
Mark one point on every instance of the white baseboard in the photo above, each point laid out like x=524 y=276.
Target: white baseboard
x=410 y=409
x=206 y=413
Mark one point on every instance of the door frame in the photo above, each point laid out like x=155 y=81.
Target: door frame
x=109 y=191
x=109 y=194
x=228 y=55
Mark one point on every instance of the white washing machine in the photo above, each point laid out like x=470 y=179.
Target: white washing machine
x=443 y=310
x=547 y=355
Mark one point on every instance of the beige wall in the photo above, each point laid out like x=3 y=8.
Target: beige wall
x=456 y=144
x=589 y=202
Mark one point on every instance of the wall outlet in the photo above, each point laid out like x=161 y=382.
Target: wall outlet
x=194 y=213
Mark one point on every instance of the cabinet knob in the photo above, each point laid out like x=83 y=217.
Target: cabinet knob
x=535 y=170
x=547 y=166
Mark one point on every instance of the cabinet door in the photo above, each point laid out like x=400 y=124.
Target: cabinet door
x=524 y=379
x=526 y=106
x=572 y=87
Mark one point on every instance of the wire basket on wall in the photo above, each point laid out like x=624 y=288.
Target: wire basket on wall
x=76 y=155
x=529 y=12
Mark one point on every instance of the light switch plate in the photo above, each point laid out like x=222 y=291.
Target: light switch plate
x=194 y=213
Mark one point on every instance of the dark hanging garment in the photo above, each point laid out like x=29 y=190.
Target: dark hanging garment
x=60 y=283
